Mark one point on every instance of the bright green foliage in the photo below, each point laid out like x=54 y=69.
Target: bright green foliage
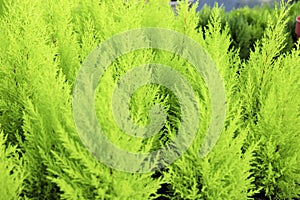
x=225 y=172
x=12 y=173
x=271 y=99
x=43 y=44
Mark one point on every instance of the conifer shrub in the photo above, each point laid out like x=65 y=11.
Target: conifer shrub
x=12 y=173
x=43 y=45
x=247 y=25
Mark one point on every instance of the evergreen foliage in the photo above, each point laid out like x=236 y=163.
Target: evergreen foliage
x=247 y=25
x=12 y=173
x=43 y=44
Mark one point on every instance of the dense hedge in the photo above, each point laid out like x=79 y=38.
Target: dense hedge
x=43 y=44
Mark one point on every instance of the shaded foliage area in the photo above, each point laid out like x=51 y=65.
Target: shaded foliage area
x=247 y=25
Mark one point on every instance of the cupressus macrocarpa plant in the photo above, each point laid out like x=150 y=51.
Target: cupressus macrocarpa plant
x=43 y=44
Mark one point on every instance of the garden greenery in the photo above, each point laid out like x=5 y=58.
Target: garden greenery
x=43 y=44
x=247 y=25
